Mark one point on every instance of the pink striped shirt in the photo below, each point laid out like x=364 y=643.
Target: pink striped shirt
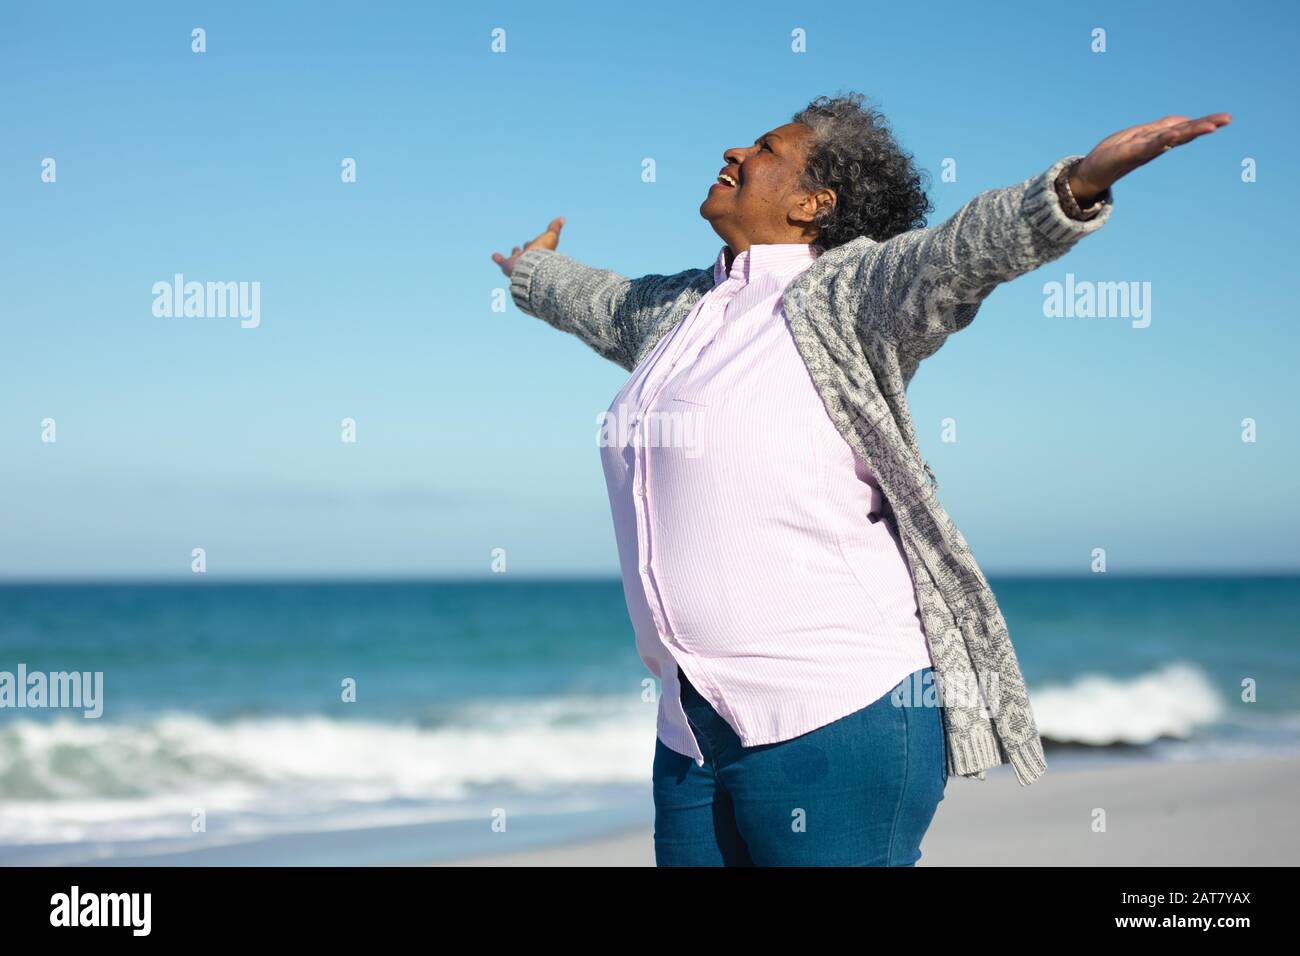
x=748 y=534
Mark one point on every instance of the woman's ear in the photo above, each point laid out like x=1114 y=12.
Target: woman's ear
x=814 y=206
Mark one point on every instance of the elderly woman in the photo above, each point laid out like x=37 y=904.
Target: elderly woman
x=829 y=650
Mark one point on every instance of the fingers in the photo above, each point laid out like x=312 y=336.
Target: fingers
x=1144 y=128
x=552 y=229
x=551 y=237
x=1167 y=139
x=1207 y=123
x=1192 y=129
x=1165 y=122
x=1175 y=130
x=1217 y=119
x=507 y=265
x=1172 y=121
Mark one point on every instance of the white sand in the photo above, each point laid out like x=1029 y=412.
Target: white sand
x=1210 y=813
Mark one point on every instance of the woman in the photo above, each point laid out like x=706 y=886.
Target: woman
x=786 y=562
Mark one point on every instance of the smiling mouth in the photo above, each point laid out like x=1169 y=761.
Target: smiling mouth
x=725 y=181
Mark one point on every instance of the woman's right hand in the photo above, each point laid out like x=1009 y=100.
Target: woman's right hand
x=547 y=240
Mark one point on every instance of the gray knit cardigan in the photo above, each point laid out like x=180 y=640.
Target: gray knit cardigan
x=864 y=315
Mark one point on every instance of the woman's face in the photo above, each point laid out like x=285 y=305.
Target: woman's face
x=765 y=205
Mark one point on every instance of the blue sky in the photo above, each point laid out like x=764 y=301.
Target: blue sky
x=477 y=429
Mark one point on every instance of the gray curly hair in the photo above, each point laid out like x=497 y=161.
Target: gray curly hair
x=879 y=190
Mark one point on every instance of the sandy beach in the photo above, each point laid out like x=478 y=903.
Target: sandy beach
x=1204 y=813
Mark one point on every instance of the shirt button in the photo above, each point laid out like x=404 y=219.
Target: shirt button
x=640 y=490
x=645 y=569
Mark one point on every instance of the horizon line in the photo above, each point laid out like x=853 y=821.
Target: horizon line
x=567 y=577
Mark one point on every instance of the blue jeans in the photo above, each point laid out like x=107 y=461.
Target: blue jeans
x=860 y=791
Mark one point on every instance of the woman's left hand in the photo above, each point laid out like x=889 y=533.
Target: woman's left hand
x=1120 y=153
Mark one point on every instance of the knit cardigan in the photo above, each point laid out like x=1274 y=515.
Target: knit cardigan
x=863 y=316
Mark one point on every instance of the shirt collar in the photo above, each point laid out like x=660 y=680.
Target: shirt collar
x=784 y=259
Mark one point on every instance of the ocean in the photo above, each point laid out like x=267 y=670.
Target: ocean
x=494 y=707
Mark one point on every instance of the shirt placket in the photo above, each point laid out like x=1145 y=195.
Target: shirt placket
x=697 y=336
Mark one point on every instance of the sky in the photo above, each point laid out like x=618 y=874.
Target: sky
x=476 y=428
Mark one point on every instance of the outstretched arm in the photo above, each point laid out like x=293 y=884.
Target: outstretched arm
x=918 y=287
x=610 y=312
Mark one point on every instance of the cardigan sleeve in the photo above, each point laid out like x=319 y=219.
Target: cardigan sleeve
x=918 y=287
x=610 y=312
